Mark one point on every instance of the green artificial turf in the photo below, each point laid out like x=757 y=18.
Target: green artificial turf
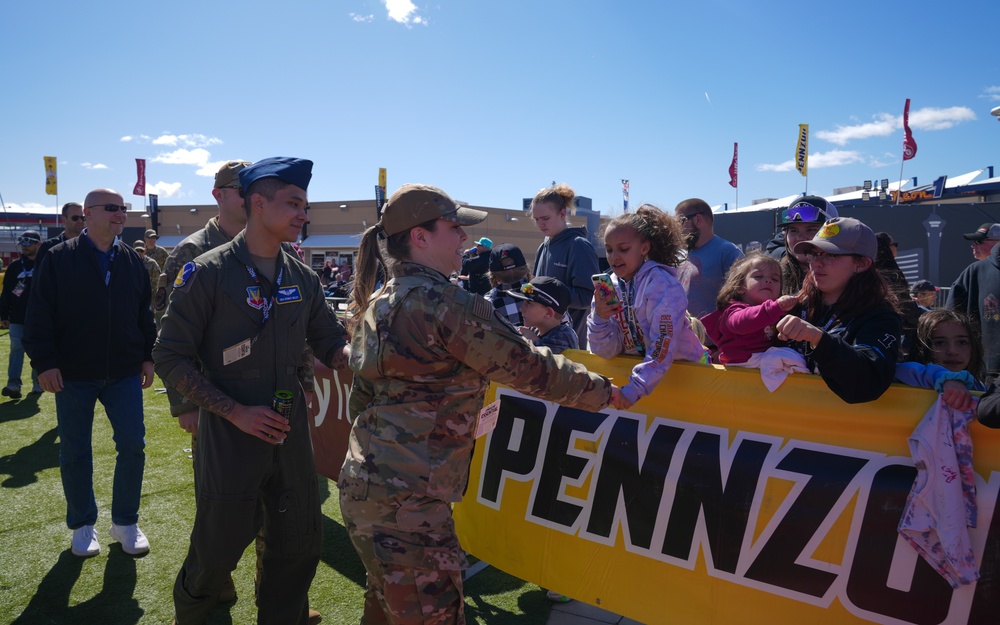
x=41 y=582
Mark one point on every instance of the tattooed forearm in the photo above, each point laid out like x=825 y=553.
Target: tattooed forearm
x=196 y=387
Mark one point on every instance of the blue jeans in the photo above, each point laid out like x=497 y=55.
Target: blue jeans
x=122 y=400
x=15 y=362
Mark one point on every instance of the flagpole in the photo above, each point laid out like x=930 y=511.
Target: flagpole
x=899 y=189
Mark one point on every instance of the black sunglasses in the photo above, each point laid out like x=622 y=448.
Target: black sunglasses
x=77 y=217
x=111 y=208
x=686 y=218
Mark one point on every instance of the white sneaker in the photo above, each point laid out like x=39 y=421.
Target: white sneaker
x=133 y=541
x=85 y=542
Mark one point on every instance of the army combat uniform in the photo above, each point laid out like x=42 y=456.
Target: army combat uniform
x=218 y=304
x=423 y=359
x=158 y=254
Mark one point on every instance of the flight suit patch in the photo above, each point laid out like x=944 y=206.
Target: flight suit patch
x=289 y=294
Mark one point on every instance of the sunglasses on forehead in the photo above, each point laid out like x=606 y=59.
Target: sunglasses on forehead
x=802 y=212
x=111 y=208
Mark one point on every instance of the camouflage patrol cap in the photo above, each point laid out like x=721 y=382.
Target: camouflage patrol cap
x=414 y=204
x=229 y=174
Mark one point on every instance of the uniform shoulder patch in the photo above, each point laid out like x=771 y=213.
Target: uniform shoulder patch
x=482 y=308
x=185 y=274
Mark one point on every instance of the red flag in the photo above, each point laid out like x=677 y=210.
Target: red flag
x=909 y=145
x=734 y=168
x=140 y=172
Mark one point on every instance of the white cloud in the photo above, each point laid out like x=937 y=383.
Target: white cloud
x=818 y=160
x=30 y=206
x=183 y=156
x=939 y=119
x=93 y=165
x=885 y=124
x=362 y=18
x=991 y=93
x=126 y=139
x=164 y=189
x=404 y=12
x=187 y=141
x=888 y=158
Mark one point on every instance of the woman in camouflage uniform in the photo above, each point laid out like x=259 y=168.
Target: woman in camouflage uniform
x=424 y=352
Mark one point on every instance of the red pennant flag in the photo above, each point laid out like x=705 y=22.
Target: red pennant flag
x=734 y=167
x=909 y=145
x=140 y=171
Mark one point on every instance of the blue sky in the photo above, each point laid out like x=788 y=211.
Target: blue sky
x=493 y=100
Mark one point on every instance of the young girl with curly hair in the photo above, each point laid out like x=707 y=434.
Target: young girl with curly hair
x=649 y=318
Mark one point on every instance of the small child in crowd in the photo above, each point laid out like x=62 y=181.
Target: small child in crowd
x=508 y=271
x=544 y=302
x=749 y=305
x=948 y=349
x=649 y=319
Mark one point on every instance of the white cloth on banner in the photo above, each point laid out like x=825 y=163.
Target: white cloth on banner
x=775 y=364
x=941 y=506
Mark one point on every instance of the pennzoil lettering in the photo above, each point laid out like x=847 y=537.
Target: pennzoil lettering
x=675 y=491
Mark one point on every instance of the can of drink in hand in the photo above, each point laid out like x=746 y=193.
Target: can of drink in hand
x=282 y=404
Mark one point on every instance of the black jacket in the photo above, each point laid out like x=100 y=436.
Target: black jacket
x=86 y=329
x=857 y=355
x=976 y=293
x=16 y=289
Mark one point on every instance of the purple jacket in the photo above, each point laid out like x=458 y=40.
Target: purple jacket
x=654 y=314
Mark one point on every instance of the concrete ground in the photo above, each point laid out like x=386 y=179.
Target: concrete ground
x=579 y=613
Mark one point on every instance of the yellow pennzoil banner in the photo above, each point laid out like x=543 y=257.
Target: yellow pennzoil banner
x=715 y=501
x=802 y=150
x=51 y=182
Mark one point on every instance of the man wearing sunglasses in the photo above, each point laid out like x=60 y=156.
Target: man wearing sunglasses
x=73 y=223
x=89 y=331
x=709 y=256
x=14 y=306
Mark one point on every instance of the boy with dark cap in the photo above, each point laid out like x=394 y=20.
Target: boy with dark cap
x=545 y=302
x=508 y=271
x=231 y=338
x=924 y=293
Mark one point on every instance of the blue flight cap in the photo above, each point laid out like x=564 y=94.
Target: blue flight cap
x=296 y=171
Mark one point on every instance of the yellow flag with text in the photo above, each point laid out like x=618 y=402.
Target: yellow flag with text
x=802 y=150
x=51 y=185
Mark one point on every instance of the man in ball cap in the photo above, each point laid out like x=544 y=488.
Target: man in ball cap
x=475 y=266
x=976 y=292
x=151 y=266
x=232 y=218
x=983 y=240
x=14 y=306
x=232 y=336
x=152 y=249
